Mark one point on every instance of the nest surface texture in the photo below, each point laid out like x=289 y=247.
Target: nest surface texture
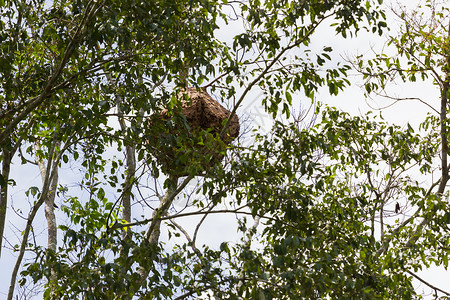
x=202 y=113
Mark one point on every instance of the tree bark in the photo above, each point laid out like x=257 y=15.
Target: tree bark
x=51 y=171
x=49 y=208
x=6 y=163
x=154 y=230
x=127 y=194
x=49 y=200
x=129 y=180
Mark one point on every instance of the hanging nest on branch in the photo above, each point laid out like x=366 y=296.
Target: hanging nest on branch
x=191 y=139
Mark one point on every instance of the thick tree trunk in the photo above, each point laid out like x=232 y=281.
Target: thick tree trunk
x=6 y=163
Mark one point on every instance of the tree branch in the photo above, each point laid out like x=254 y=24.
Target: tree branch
x=427 y=283
x=267 y=69
x=91 y=10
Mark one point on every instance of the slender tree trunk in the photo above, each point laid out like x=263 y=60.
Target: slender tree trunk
x=49 y=201
x=129 y=180
x=154 y=230
x=6 y=163
x=443 y=119
x=131 y=162
x=127 y=194
x=49 y=207
x=51 y=171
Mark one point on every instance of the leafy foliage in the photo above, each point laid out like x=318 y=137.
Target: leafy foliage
x=80 y=83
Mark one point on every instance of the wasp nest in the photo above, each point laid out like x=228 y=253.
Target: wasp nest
x=192 y=136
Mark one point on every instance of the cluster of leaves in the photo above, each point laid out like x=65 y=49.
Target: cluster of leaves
x=99 y=264
x=320 y=192
x=67 y=67
x=421 y=50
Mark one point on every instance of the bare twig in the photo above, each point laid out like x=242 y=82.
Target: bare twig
x=427 y=283
x=186 y=234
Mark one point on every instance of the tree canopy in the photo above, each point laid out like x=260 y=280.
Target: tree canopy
x=94 y=97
